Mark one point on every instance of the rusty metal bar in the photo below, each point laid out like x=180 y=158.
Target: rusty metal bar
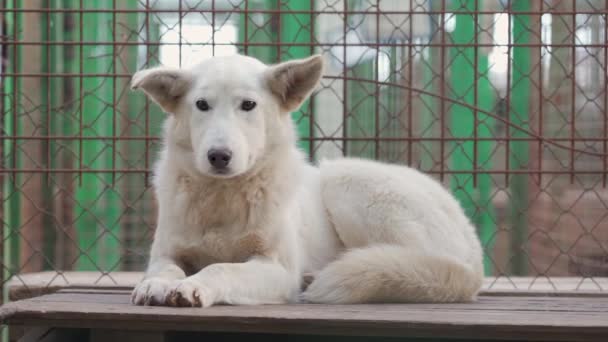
x=271 y=11
x=344 y=82
x=605 y=130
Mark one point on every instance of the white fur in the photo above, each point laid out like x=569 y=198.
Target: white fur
x=366 y=231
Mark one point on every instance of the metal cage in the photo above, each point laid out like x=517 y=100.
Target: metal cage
x=504 y=101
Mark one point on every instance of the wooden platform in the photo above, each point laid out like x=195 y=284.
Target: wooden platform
x=98 y=315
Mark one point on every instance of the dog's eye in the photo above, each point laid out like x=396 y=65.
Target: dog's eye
x=247 y=105
x=202 y=105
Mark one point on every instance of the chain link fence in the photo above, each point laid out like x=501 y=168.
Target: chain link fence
x=503 y=101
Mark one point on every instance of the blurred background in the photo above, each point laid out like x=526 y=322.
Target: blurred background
x=503 y=101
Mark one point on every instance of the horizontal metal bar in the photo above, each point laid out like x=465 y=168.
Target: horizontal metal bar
x=282 y=11
x=369 y=138
x=480 y=171
x=311 y=44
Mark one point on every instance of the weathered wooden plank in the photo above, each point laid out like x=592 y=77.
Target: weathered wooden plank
x=29 y=285
x=527 y=318
x=557 y=304
x=35 y=284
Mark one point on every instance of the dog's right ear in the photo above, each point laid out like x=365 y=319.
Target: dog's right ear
x=293 y=81
x=163 y=85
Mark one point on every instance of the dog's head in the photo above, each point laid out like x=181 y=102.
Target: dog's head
x=229 y=111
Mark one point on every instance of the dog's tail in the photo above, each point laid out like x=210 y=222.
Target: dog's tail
x=390 y=273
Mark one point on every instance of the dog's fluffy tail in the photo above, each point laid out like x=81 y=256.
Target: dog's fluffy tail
x=390 y=273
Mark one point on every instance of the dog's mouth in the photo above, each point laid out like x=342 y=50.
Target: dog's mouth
x=221 y=173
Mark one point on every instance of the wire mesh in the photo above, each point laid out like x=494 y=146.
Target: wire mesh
x=504 y=101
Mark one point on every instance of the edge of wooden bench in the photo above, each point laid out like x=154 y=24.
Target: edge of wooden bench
x=29 y=285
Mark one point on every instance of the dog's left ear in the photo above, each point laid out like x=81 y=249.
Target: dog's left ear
x=293 y=81
x=163 y=85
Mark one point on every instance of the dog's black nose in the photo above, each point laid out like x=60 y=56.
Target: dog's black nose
x=219 y=158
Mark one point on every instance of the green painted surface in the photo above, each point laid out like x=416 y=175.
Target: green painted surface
x=485 y=218
x=132 y=184
x=97 y=211
x=70 y=112
x=14 y=195
x=262 y=29
x=10 y=196
x=520 y=95
x=461 y=122
x=49 y=100
x=360 y=106
x=429 y=109
x=259 y=30
x=475 y=198
x=295 y=28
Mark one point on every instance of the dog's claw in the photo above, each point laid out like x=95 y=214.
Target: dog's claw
x=171 y=299
x=184 y=294
x=197 y=299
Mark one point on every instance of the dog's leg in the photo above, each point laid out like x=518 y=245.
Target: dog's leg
x=161 y=273
x=269 y=276
x=257 y=281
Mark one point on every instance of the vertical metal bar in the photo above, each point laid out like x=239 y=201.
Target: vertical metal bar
x=311 y=117
x=46 y=102
x=508 y=96
x=605 y=142
x=16 y=204
x=573 y=93
x=48 y=68
x=245 y=41
x=475 y=92
x=442 y=97
x=71 y=62
x=12 y=214
x=410 y=72
x=377 y=86
x=108 y=246
x=179 y=39
x=541 y=97
x=112 y=243
x=54 y=192
x=4 y=84
x=279 y=19
x=429 y=110
x=81 y=91
x=114 y=86
x=15 y=94
x=33 y=209
x=345 y=83
x=147 y=100
x=213 y=27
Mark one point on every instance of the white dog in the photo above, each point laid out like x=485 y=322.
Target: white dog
x=243 y=217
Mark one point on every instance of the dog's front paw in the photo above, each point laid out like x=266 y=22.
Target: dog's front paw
x=188 y=293
x=150 y=291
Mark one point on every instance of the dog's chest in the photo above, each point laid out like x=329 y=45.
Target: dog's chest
x=221 y=224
